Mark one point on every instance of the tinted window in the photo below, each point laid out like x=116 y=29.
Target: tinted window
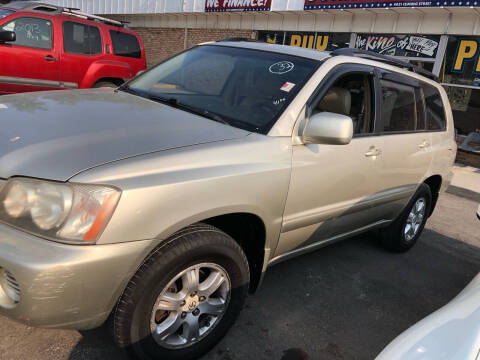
x=398 y=107
x=125 y=44
x=5 y=13
x=420 y=105
x=31 y=32
x=246 y=88
x=434 y=108
x=351 y=95
x=81 y=39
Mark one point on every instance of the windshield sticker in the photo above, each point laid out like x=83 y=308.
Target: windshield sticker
x=3 y=106
x=287 y=87
x=281 y=67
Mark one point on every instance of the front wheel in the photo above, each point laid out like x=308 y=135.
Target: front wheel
x=184 y=298
x=404 y=232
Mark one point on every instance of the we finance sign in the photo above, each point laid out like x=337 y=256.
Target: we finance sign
x=237 y=5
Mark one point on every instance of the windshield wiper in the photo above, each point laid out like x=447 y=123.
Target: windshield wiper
x=195 y=110
x=129 y=90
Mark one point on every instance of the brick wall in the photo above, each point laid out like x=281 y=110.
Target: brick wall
x=161 y=43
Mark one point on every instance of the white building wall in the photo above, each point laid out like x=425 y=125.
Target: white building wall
x=287 y=15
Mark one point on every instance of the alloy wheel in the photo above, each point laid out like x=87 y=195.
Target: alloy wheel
x=190 y=306
x=415 y=219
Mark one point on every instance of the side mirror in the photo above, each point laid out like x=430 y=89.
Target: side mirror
x=7 y=36
x=328 y=128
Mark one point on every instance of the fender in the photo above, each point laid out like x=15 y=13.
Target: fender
x=105 y=69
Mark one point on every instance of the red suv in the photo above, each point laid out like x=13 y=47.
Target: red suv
x=45 y=47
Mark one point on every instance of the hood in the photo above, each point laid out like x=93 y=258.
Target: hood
x=55 y=135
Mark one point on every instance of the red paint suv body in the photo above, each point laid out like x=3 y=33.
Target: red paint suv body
x=56 y=48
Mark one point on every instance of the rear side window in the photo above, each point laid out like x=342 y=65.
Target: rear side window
x=398 y=107
x=81 y=39
x=125 y=44
x=435 y=111
x=31 y=32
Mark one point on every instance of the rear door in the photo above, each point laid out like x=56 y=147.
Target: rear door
x=408 y=144
x=31 y=62
x=82 y=45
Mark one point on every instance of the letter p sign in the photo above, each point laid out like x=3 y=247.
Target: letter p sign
x=466 y=51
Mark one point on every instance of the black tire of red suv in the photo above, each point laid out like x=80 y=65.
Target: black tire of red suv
x=196 y=244
x=394 y=237
x=105 y=84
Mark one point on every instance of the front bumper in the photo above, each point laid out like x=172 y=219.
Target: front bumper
x=65 y=286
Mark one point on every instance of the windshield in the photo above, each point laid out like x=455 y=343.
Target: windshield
x=5 y=13
x=245 y=88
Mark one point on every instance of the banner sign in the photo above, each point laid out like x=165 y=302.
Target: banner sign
x=237 y=5
x=309 y=40
x=399 y=45
x=352 y=4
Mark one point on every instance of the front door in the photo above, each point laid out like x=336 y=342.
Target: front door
x=31 y=62
x=334 y=188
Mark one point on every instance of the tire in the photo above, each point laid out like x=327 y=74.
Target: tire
x=104 y=84
x=397 y=237
x=199 y=245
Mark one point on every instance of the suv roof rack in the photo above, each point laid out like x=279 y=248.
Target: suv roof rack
x=385 y=59
x=42 y=7
x=76 y=12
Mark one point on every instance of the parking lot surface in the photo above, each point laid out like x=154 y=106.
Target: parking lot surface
x=345 y=301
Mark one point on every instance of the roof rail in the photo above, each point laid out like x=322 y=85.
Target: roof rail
x=76 y=12
x=385 y=59
x=237 y=39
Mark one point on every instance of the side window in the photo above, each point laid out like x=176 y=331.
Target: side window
x=351 y=95
x=31 y=32
x=125 y=44
x=81 y=39
x=398 y=107
x=434 y=108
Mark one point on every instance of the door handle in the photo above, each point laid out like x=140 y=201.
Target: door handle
x=50 y=58
x=373 y=152
x=424 y=144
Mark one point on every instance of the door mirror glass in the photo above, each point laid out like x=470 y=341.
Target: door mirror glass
x=328 y=128
x=7 y=36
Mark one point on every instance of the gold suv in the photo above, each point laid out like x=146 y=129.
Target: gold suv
x=159 y=205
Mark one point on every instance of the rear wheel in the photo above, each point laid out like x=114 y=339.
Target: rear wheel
x=404 y=232
x=184 y=298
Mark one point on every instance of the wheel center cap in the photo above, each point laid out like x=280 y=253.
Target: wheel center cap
x=191 y=303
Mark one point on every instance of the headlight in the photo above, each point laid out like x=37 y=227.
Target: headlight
x=65 y=212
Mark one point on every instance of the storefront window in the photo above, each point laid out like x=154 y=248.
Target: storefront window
x=461 y=69
x=310 y=40
x=462 y=62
